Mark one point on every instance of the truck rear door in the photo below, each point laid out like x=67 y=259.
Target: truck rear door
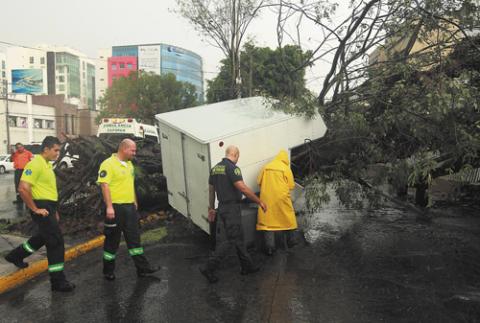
x=173 y=169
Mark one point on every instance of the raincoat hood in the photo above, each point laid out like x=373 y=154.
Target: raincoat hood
x=283 y=157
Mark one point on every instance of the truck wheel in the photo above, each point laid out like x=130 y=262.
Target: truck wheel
x=2 y=170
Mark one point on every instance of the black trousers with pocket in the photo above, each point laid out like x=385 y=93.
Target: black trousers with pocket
x=126 y=221
x=49 y=235
x=17 y=175
x=229 y=217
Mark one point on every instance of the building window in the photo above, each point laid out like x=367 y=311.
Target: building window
x=42 y=60
x=129 y=66
x=38 y=123
x=19 y=122
x=101 y=68
x=12 y=121
x=3 y=65
x=32 y=60
x=114 y=67
x=3 y=74
x=122 y=65
x=49 y=124
x=61 y=79
x=61 y=88
x=101 y=80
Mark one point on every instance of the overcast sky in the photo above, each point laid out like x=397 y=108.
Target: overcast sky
x=88 y=25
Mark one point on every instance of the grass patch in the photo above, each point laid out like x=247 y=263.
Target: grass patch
x=154 y=235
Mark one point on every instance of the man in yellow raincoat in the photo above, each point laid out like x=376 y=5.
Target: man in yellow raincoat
x=276 y=182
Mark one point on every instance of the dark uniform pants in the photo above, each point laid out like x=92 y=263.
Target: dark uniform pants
x=17 y=176
x=229 y=216
x=48 y=235
x=125 y=221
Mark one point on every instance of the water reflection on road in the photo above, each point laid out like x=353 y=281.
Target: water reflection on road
x=9 y=210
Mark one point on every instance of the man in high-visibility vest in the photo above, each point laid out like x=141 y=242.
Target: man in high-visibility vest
x=116 y=177
x=38 y=189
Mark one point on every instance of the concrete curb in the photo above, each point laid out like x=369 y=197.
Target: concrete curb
x=34 y=269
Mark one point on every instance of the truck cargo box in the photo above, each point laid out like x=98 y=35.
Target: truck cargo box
x=193 y=140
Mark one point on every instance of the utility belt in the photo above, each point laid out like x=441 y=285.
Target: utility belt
x=230 y=202
x=45 y=202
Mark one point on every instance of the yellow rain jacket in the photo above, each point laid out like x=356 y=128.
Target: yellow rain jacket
x=276 y=181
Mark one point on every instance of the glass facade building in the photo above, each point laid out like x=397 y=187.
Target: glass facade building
x=186 y=65
x=68 y=74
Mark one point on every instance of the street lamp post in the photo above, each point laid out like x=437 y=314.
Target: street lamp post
x=5 y=88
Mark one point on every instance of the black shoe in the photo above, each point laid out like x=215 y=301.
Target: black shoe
x=249 y=270
x=17 y=262
x=291 y=243
x=109 y=277
x=209 y=275
x=144 y=272
x=63 y=286
x=269 y=252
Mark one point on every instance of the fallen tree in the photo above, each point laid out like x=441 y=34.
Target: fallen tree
x=80 y=196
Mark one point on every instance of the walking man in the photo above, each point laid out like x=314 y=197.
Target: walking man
x=116 y=177
x=226 y=182
x=20 y=158
x=38 y=189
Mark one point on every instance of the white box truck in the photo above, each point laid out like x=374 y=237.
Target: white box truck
x=193 y=140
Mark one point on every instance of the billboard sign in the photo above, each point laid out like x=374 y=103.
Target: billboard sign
x=149 y=59
x=176 y=50
x=27 y=81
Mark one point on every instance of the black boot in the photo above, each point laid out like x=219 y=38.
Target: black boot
x=17 y=262
x=209 y=275
x=269 y=251
x=62 y=286
x=109 y=276
x=143 y=272
x=249 y=269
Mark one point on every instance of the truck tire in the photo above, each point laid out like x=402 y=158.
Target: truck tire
x=2 y=170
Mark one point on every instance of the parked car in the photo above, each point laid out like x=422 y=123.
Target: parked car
x=6 y=164
x=66 y=161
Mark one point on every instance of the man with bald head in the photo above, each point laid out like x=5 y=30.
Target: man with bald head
x=117 y=179
x=226 y=182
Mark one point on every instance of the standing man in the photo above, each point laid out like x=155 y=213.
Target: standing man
x=227 y=182
x=20 y=158
x=38 y=189
x=116 y=177
x=276 y=182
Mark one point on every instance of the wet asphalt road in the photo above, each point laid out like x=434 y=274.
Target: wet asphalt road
x=8 y=210
x=386 y=269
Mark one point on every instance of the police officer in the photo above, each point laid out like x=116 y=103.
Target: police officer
x=38 y=189
x=116 y=177
x=227 y=183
